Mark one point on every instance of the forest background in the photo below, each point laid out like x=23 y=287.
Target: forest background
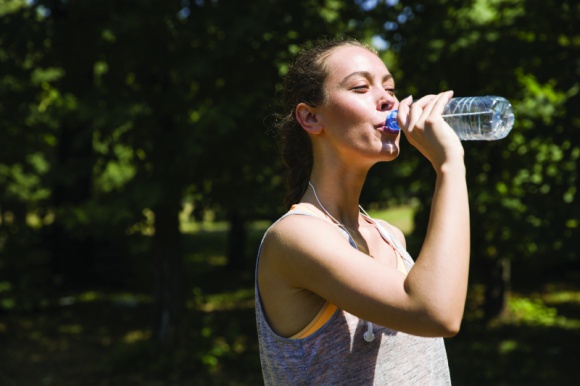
x=138 y=170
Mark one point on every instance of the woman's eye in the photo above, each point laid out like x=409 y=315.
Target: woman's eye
x=361 y=87
x=391 y=91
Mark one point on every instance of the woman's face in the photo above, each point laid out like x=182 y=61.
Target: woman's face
x=360 y=92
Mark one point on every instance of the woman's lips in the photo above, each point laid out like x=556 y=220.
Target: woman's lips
x=389 y=130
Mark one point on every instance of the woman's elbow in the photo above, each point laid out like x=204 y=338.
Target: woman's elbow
x=451 y=331
x=449 y=327
x=442 y=324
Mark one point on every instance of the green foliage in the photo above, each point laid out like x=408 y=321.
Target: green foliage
x=113 y=111
x=523 y=189
x=534 y=312
x=73 y=336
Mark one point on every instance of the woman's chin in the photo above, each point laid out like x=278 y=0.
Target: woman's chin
x=390 y=150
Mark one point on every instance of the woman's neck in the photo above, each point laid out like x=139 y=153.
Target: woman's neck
x=337 y=194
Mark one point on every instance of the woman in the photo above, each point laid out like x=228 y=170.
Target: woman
x=338 y=299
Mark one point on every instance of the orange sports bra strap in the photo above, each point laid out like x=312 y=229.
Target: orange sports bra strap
x=319 y=320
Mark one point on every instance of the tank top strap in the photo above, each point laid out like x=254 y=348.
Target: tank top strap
x=393 y=240
x=296 y=209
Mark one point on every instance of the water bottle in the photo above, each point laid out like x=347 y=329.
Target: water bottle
x=484 y=118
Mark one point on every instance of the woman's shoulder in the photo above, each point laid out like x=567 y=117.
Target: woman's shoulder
x=298 y=247
x=300 y=224
x=302 y=233
x=393 y=230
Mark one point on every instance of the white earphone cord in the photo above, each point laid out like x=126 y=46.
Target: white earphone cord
x=368 y=336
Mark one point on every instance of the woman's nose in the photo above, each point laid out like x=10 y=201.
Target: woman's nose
x=385 y=106
x=386 y=102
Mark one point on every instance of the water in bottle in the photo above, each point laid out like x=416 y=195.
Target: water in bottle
x=484 y=118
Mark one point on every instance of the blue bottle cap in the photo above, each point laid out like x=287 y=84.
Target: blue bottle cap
x=391 y=123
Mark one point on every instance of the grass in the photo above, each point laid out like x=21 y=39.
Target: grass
x=98 y=337
x=401 y=217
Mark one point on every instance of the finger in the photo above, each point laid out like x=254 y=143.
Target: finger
x=406 y=103
x=435 y=105
x=417 y=109
x=403 y=114
x=429 y=107
x=424 y=101
x=442 y=101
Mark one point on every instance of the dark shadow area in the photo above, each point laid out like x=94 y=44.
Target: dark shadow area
x=101 y=336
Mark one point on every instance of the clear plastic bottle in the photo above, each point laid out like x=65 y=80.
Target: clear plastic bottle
x=483 y=118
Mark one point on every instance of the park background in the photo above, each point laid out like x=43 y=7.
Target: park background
x=139 y=169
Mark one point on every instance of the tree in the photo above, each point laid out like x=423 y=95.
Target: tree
x=23 y=152
x=248 y=57
x=522 y=189
x=144 y=103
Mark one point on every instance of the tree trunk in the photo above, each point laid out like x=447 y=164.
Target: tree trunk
x=498 y=288
x=73 y=253
x=167 y=254
x=236 y=241
x=72 y=256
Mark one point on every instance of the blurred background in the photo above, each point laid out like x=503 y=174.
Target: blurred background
x=139 y=169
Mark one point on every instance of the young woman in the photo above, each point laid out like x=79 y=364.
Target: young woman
x=339 y=301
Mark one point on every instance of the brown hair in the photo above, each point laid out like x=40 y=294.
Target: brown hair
x=304 y=83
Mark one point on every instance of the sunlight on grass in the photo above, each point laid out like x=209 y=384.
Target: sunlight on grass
x=70 y=329
x=136 y=336
x=534 y=312
x=560 y=297
x=206 y=226
x=507 y=346
x=240 y=299
x=550 y=308
x=119 y=299
x=189 y=225
x=401 y=217
x=212 y=260
x=259 y=225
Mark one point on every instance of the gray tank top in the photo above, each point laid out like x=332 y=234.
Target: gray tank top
x=337 y=353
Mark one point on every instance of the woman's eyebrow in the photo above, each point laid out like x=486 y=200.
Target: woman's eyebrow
x=365 y=74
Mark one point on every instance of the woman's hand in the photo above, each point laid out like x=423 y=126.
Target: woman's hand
x=441 y=272
x=426 y=129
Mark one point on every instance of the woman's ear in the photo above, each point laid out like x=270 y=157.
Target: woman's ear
x=307 y=118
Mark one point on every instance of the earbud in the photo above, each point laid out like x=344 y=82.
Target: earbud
x=369 y=336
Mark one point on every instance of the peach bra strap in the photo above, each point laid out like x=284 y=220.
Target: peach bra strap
x=319 y=320
x=325 y=313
